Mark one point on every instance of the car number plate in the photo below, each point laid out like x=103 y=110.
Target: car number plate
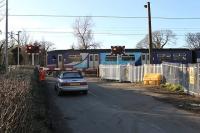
x=74 y=84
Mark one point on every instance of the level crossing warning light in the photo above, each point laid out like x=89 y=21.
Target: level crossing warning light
x=117 y=50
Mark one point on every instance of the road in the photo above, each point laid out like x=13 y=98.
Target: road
x=108 y=109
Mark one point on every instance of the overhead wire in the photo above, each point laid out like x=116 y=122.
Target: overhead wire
x=106 y=33
x=95 y=33
x=117 y=17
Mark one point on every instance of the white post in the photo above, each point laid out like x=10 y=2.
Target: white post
x=33 y=59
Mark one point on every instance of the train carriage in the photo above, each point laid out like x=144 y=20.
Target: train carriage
x=172 y=55
x=91 y=58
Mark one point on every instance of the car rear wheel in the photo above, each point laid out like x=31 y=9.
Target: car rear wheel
x=59 y=92
x=55 y=88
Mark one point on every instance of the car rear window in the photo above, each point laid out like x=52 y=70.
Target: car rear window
x=72 y=75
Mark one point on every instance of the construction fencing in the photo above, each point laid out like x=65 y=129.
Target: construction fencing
x=129 y=73
x=183 y=74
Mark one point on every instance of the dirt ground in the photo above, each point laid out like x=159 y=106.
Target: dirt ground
x=180 y=100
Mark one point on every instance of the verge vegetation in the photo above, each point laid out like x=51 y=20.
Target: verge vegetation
x=22 y=103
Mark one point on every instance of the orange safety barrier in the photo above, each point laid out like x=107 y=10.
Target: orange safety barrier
x=152 y=79
x=42 y=75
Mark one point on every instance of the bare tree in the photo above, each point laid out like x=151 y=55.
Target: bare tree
x=11 y=44
x=72 y=46
x=44 y=47
x=193 y=40
x=24 y=38
x=83 y=32
x=159 y=39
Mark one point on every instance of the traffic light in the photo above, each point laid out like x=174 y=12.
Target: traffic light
x=117 y=50
x=29 y=48
x=36 y=48
x=33 y=48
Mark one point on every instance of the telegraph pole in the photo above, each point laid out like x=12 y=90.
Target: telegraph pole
x=18 y=41
x=148 y=6
x=6 y=46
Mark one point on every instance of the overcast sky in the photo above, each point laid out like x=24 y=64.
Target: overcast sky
x=116 y=31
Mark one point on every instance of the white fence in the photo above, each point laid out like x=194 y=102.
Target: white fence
x=127 y=72
x=188 y=76
x=111 y=72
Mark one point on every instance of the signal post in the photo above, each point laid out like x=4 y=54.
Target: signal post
x=33 y=50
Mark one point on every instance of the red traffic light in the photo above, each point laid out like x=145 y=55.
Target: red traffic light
x=29 y=48
x=32 y=48
x=117 y=50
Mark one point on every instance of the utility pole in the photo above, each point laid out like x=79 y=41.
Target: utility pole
x=148 y=6
x=18 y=41
x=6 y=46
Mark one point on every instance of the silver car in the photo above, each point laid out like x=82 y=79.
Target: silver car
x=71 y=81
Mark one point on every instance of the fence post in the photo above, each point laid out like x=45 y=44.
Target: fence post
x=120 y=73
x=198 y=74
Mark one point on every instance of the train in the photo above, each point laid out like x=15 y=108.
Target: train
x=91 y=58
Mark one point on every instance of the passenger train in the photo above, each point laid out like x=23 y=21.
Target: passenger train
x=91 y=58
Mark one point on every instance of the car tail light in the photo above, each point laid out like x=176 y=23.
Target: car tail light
x=83 y=83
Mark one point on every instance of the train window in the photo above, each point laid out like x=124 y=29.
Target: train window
x=96 y=57
x=91 y=57
x=53 y=57
x=143 y=57
x=147 y=56
x=164 y=57
x=111 y=58
x=128 y=58
x=74 y=58
x=179 y=56
x=60 y=58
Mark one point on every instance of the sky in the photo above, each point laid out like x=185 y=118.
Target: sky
x=116 y=31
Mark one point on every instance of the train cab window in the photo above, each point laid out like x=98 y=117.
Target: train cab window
x=128 y=57
x=179 y=56
x=111 y=58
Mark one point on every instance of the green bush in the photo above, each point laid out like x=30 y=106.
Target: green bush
x=173 y=87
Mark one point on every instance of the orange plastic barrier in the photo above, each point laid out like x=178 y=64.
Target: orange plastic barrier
x=42 y=75
x=152 y=79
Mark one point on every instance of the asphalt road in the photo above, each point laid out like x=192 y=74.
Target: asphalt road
x=108 y=109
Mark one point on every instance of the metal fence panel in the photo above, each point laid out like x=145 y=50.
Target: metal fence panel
x=152 y=68
x=198 y=78
x=175 y=73
x=127 y=72
x=194 y=79
x=111 y=72
x=187 y=76
x=136 y=73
